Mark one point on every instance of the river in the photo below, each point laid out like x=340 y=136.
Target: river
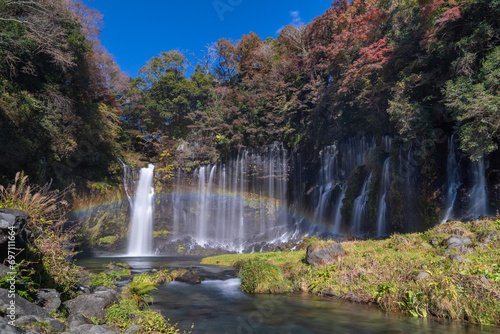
x=218 y=306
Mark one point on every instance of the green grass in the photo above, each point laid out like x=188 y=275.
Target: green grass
x=126 y=313
x=134 y=308
x=384 y=272
x=108 y=279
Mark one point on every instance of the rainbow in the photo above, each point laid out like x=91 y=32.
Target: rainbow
x=302 y=215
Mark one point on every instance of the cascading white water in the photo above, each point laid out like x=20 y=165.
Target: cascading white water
x=407 y=181
x=327 y=182
x=478 y=194
x=359 y=207
x=385 y=184
x=453 y=181
x=236 y=204
x=337 y=213
x=353 y=153
x=177 y=202
x=128 y=180
x=337 y=163
x=141 y=229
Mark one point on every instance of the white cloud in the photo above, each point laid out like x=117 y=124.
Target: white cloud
x=296 y=21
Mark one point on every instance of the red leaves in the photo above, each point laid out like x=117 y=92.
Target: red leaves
x=337 y=36
x=431 y=8
x=449 y=15
x=373 y=57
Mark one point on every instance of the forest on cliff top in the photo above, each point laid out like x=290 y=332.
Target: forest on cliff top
x=416 y=70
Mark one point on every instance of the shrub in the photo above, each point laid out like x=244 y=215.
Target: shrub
x=259 y=276
x=140 y=289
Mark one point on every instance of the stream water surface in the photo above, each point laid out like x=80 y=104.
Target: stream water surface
x=218 y=306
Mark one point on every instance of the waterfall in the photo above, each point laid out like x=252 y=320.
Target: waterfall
x=387 y=143
x=128 y=180
x=359 y=207
x=453 y=181
x=202 y=219
x=237 y=204
x=337 y=215
x=407 y=181
x=385 y=184
x=141 y=230
x=327 y=180
x=478 y=194
x=336 y=164
x=353 y=154
x=177 y=203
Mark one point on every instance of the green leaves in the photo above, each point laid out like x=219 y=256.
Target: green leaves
x=474 y=101
x=167 y=96
x=140 y=289
x=412 y=303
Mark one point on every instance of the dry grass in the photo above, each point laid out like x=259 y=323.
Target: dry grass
x=47 y=249
x=40 y=203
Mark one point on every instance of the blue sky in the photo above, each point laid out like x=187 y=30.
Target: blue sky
x=134 y=31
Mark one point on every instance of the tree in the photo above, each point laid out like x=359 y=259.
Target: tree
x=475 y=103
x=168 y=97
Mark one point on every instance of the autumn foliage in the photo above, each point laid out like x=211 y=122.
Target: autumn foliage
x=373 y=67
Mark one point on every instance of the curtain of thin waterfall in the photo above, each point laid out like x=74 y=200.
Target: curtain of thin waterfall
x=453 y=179
x=237 y=204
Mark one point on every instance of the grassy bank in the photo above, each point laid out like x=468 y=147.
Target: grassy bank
x=418 y=274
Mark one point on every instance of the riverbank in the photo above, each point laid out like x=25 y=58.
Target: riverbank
x=451 y=271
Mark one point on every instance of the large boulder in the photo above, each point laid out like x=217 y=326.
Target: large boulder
x=15 y=221
x=3 y=270
x=189 y=276
x=49 y=299
x=134 y=329
x=324 y=254
x=27 y=313
x=92 y=305
x=5 y=328
x=93 y=329
x=457 y=241
x=33 y=322
x=22 y=306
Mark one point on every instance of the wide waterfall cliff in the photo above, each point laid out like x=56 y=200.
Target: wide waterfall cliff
x=261 y=198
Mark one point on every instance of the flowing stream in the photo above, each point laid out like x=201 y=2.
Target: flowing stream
x=217 y=305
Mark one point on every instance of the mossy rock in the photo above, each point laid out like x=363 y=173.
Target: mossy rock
x=318 y=254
